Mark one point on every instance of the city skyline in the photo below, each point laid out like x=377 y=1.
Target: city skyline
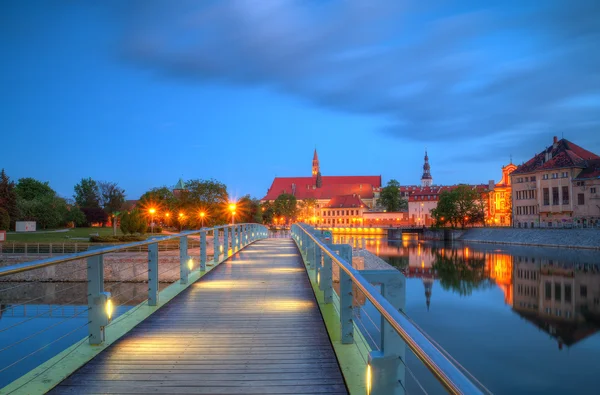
x=138 y=94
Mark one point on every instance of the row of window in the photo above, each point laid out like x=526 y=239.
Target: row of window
x=526 y=210
x=527 y=290
x=331 y=213
x=558 y=312
x=525 y=179
x=527 y=274
x=558 y=291
x=564 y=174
x=556 y=198
x=333 y=221
x=525 y=195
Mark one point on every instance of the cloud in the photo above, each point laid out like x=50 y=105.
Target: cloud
x=434 y=73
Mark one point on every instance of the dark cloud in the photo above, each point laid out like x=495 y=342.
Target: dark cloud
x=434 y=72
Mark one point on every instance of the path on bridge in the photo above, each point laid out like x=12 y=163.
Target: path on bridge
x=250 y=326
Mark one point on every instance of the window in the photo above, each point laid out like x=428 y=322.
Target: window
x=546 y=197
x=554 y=175
x=568 y=293
x=565 y=174
x=565 y=195
x=548 y=289
x=583 y=291
x=545 y=176
x=593 y=190
x=526 y=179
x=557 y=293
x=580 y=199
x=554 y=196
x=532 y=178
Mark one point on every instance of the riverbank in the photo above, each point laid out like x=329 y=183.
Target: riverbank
x=557 y=238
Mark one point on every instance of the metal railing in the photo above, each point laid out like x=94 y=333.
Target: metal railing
x=91 y=306
x=321 y=258
x=51 y=249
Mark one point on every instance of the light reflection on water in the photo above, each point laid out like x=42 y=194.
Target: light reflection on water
x=521 y=319
x=40 y=319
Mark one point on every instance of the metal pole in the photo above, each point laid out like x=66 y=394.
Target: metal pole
x=203 y=251
x=216 y=246
x=153 y=274
x=95 y=277
x=183 y=258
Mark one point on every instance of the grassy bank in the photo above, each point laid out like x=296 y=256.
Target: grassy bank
x=75 y=235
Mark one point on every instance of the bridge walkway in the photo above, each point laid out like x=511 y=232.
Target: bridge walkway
x=250 y=326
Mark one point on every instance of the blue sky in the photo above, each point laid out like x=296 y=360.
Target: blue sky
x=145 y=92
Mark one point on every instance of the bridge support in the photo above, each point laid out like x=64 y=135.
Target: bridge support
x=97 y=299
x=183 y=260
x=152 y=274
x=203 y=251
x=216 y=246
x=388 y=372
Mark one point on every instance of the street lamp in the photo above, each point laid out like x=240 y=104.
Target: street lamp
x=152 y=211
x=180 y=221
x=202 y=215
x=232 y=209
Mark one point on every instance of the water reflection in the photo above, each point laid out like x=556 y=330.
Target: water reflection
x=504 y=310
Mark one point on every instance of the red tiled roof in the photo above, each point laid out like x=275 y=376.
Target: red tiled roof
x=345 y=201
x=590 y=172
x=331 y=186
x=564 y=155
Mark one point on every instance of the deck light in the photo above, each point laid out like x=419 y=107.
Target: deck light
x=109 y=309
x=369 y=379
x=190 y=264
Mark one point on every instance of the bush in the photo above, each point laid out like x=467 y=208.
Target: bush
x=157 y=229
x=117 y=239
x=4 y=219
x=133 y=222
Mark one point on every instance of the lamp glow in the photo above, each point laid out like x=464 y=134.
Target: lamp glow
x=190 y=264
x=369 y=379
x=109 y=309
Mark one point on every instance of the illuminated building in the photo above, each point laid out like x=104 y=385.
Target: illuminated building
x=500 y=213
x=325 y=188
x=558 y=187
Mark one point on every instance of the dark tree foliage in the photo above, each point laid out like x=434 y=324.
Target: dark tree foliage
x=94 y=215
x=286 y=206
x=87 y=194
x=30 y=188
x=4 y=219
x=460 y=274
x=268 y=212
x=112 y=197
x=390 y=197
x=8 y=198
x=133 y=222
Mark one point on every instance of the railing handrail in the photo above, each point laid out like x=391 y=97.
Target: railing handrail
x=40 y=263
x=448 y=374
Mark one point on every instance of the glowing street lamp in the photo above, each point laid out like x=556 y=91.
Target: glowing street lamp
x=152 y=211
x=181 y=218
x=232 y=208
x=202 y=215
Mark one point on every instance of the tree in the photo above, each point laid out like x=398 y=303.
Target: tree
x=133 y=222
x=390 y=198
x=94 y=215
x=87 y=194
x=463 y=205
x=30 y=188
x=46 y=211
x=306 y=208
x=268 y=211
x=285 y=205
x=4 y=219
x=248 y=210
x=111 y=196
x=8 y=198
x=76 y=216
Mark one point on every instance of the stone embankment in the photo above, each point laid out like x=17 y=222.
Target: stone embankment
x=561 y=238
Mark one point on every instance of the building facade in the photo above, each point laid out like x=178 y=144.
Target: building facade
x=500 y=199
x=557 y=188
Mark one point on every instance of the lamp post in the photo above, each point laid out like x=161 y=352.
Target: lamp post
x=232 y=209
x=202 y=215
x=152 y=211
x=167 y=215
x=180 y=221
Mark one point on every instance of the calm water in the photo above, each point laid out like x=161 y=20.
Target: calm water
x=523 y=320
x=39 y=320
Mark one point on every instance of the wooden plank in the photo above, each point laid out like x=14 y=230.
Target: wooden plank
x=251 y=326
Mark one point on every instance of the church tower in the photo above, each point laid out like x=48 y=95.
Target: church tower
x=315 y=164
x=426 y=179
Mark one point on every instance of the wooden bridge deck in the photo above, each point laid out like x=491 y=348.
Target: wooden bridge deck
x=250 y=326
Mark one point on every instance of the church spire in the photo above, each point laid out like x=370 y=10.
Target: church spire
x=426 y=179
x=315 y=164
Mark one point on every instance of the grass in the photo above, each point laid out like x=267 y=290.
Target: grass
x=61 y=237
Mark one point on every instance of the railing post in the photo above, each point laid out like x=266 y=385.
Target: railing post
x=226 y=242
x=325 y=282
x=153 y=274
x=97 y=299
x=183 y=258
x=388 y=370
x=233 y=239
x=346 y=298
x=203 y=251
x=216 y=246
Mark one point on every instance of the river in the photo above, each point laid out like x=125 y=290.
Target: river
x=522 y=320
